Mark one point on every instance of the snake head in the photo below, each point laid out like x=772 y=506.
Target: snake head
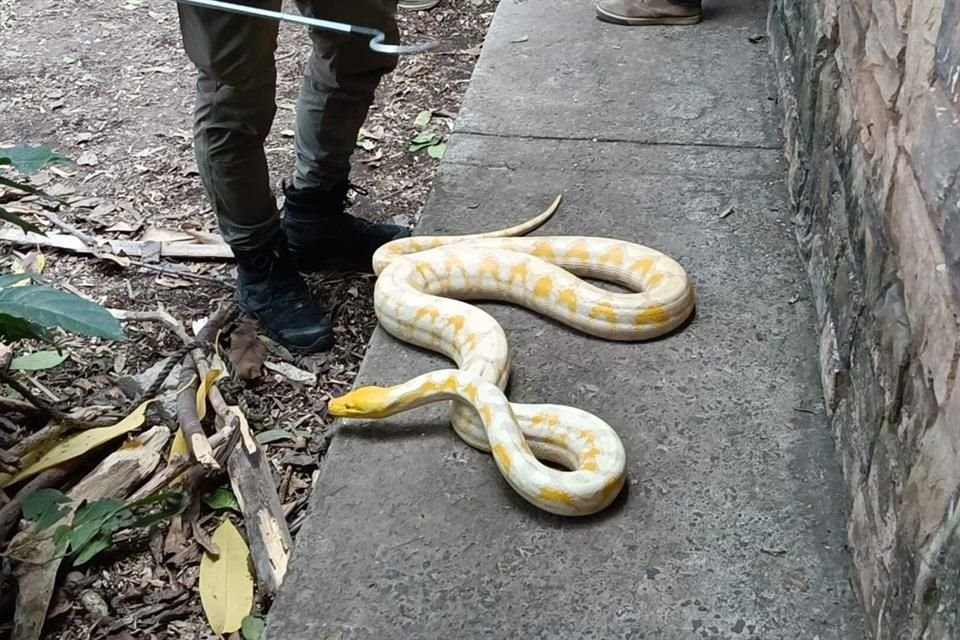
x=365 y=402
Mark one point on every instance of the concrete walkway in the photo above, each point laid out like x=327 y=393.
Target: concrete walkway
x=732 y=525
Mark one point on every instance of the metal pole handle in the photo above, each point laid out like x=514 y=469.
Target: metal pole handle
x=376 y=36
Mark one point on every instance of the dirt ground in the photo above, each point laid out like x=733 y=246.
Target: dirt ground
x=105 y=83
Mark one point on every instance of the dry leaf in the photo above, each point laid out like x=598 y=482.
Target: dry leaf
x=178 y=448
x=292 y=372
x=247 y=352
x=87 y=159
x=212 y=376
x=226 y=584
x=170 y=282
x=156 y=234
x=78 y=444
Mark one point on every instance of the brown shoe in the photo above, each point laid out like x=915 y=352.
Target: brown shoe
x=648 y=12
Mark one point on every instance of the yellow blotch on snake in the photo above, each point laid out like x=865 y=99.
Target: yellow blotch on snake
x=569 y=299
x=643 y=265
x=578 y=250
x=503 y=456
x=519 y=272
x=613 y=256
x=604 y=310
x=556 y=495
x=543 y=250
x=489 y=267
x=457 y=323
x=433 y=312
x=543 y=287
x=655 y=314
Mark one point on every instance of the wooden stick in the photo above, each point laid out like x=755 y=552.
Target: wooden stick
x=112 y=478
x=135 y=248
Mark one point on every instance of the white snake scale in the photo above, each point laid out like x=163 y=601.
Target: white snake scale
x=421 y=285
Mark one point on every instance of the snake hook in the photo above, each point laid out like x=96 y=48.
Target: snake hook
x=376 y=36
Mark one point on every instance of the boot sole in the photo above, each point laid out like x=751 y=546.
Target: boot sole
x=613 y=18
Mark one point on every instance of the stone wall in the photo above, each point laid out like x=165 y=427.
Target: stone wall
x=871 y=97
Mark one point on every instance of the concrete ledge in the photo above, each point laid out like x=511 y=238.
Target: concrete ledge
x=732 y=522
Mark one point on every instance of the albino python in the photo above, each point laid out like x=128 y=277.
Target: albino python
x=421 y=282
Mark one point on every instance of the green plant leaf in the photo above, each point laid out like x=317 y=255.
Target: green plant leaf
x=273 y=435
x=10 y=279
x=13 y=329
x=221 y=498
x=436 y=151
x=50 y=307
x=98 y=544
x=44 y=507
x=29 y=159
x=175 y=505
x=423 y=118
x=39 y=360
x=61 y=538
x=252 y=628
x=90 y=520
x=423 y=138
x=27 y=227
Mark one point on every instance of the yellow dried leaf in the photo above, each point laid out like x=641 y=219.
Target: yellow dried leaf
x=178 y=448
x=226 y=584
x=80 y=443
x=212 y=376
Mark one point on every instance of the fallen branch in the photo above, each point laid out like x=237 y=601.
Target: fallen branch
x=135 y=248
x=222 y=441
x=112 y=478
x=267 y=534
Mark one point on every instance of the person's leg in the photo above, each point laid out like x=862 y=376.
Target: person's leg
x=234 y=112
x=338 y=87
x=650 y=12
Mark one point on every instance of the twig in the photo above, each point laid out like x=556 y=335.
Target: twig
x=61 y=224
x=47 y=409
x=20 y=406
x=223 y=441
x=189 y=419
x=162 y=317
x=189 y=275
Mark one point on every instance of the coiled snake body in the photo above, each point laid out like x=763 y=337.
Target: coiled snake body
x=421 y=285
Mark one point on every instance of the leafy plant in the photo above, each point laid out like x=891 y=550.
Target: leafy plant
x=27 y=160
x=28 y=311
x=433 y=143
x=96 y=523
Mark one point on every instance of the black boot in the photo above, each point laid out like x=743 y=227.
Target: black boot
x=270 y=289
x=322 y=235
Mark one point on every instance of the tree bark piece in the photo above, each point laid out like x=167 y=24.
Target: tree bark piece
x=112 y=478
x=267 y=533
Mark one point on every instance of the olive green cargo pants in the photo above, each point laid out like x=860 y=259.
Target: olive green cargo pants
x=235 y=104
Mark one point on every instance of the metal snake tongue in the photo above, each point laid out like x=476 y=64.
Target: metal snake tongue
x=376 y=36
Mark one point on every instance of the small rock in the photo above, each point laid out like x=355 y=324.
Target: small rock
x=94 y=603
x=87 y=159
